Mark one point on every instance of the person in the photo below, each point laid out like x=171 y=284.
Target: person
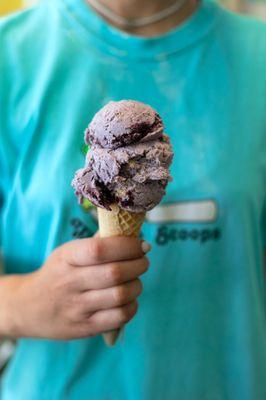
x=199 y=332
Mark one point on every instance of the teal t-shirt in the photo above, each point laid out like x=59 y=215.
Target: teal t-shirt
x=200 y=331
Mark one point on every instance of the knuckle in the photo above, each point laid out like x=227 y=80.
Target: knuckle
x=72 y=310
x=95 y=249
x=124 y=315
x=146 y=262
x=143 y=265
x=114 y=273
x=128 y=312
x=81 y=306
x=59 y=255
x=120 y=294
x=88 y=304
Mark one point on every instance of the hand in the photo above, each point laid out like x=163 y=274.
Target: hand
x=86 y=287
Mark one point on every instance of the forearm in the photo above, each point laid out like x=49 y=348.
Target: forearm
x=9 y=304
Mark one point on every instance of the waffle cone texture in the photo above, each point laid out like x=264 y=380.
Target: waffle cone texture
x=118 y=222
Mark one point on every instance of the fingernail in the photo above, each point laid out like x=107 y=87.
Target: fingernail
x=146 y=247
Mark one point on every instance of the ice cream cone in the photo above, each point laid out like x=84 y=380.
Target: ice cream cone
x=127 y=164
x=118 y=222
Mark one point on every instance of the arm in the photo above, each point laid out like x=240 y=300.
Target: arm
x=8 y=285
x=86 y=287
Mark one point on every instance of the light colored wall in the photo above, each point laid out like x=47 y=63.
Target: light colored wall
x=7 y=6
x=251 y=7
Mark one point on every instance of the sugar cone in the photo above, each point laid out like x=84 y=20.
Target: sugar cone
x=118 y=222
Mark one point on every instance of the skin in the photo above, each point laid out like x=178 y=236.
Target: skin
x=85 y=287
x=89 y=286
x=142 y=8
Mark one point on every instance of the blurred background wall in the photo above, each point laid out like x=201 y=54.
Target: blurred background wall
x=7 y=6
x=252 y=7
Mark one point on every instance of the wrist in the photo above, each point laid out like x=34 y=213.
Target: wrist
x=12 y=295
x=6 y=293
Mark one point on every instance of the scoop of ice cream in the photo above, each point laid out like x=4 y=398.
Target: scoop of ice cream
x=124 y=122
x=135 y=175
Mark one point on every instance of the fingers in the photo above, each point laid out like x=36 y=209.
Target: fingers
x=95 y=251
x=95 y=300
x=106 y=320
x=109 y=275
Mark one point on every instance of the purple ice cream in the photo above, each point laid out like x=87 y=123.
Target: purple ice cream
x=129 y=159
x=121 y=123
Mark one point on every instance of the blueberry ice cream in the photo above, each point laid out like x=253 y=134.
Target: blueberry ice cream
x=128 y=160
